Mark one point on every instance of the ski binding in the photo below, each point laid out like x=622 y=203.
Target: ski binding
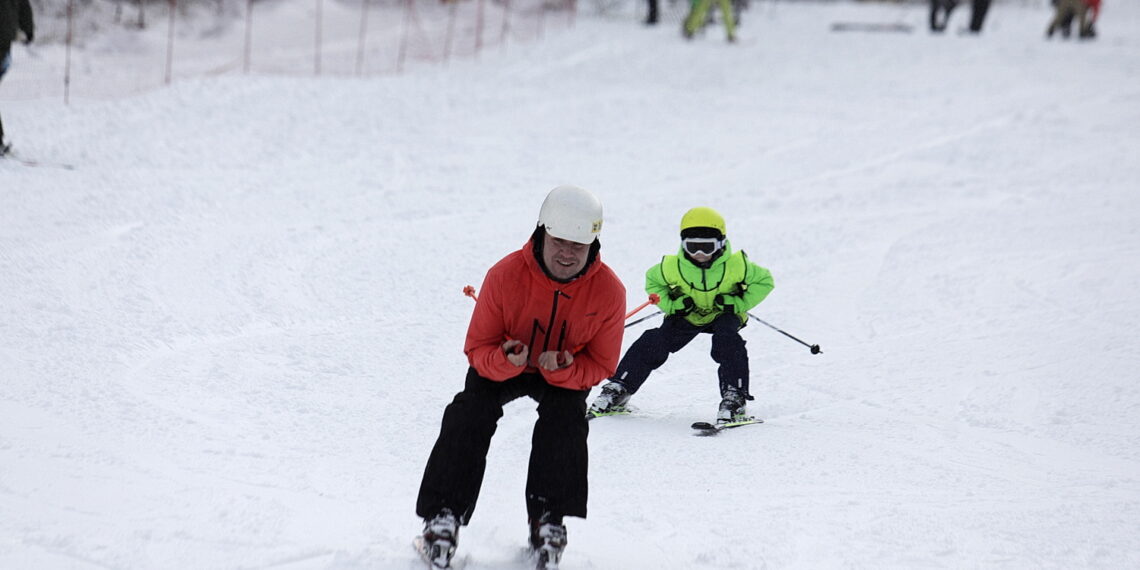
x=622 y=411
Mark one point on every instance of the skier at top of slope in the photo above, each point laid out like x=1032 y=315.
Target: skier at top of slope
x=699 y=11
x=704 y=288
x=547 y=324
x=15 y=16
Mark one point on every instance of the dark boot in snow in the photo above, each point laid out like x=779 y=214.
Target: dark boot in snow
x=441 y=536
x=547 y=541
x=613 y=398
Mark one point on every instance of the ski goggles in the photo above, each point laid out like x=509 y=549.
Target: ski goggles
x=707 y=246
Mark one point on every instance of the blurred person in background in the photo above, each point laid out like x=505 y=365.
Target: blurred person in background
x=978 y=9
x=651 y=18
x=1065 y=11
x=940 y=11
x=698 y=17
x=15 y=16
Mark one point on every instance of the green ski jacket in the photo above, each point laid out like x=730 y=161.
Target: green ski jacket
x=733 y=280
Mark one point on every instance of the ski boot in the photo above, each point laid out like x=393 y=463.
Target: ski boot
x=441 y=536
x=732 y=407
x=612 y=400
x=547 y=540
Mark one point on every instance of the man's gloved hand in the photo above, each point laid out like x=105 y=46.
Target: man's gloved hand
x=28 y=38
x=517 y=352
x=553 y=360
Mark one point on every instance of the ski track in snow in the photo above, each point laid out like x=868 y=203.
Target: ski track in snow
x=227 y=337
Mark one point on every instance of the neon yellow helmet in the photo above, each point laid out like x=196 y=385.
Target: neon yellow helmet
x=702 y=217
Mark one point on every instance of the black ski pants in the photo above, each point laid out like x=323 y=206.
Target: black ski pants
x=653 y=348
x=556 y=477
x=978 y=11
x=940 y=13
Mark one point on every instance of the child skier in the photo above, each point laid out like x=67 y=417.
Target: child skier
x=704 y=288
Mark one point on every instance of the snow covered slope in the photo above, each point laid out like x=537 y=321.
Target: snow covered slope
x=227 y=336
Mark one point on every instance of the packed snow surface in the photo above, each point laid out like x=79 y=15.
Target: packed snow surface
x=227 y=335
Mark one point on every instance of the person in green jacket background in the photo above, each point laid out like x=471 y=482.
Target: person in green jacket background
x=698 y=12
x=704 y=288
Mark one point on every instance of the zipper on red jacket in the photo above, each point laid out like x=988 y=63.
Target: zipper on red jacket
x=536 y=327
x=553 y=316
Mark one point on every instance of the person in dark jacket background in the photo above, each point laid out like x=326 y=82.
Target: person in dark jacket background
x=978 y=9
x=652 y=16
x=15 y=16
x=940 y=14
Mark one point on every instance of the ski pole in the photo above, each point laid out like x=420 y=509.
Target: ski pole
x=470 y=292
x=814 y=347
x=653 y=300
x=645 y=318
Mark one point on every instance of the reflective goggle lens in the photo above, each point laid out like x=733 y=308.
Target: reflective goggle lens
x=707 y=246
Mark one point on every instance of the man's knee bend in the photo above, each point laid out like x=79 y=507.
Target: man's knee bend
x=473 y=409
x=563 y=405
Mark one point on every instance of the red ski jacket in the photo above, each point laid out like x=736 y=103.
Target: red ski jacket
x=518 y=301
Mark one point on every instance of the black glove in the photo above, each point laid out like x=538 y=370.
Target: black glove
x=28 y=38
x=684 y=306
x=726 y=303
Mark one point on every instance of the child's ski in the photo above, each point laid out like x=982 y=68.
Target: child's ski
x=705 y=428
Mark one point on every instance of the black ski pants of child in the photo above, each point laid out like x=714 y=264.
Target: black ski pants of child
x=653 y=348
x=556 y=478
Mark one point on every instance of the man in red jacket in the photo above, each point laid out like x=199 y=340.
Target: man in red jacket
x=548 y=324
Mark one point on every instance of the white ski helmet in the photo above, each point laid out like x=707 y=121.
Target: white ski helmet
x=571 y=213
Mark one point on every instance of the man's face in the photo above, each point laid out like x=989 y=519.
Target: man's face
x=563 y=258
